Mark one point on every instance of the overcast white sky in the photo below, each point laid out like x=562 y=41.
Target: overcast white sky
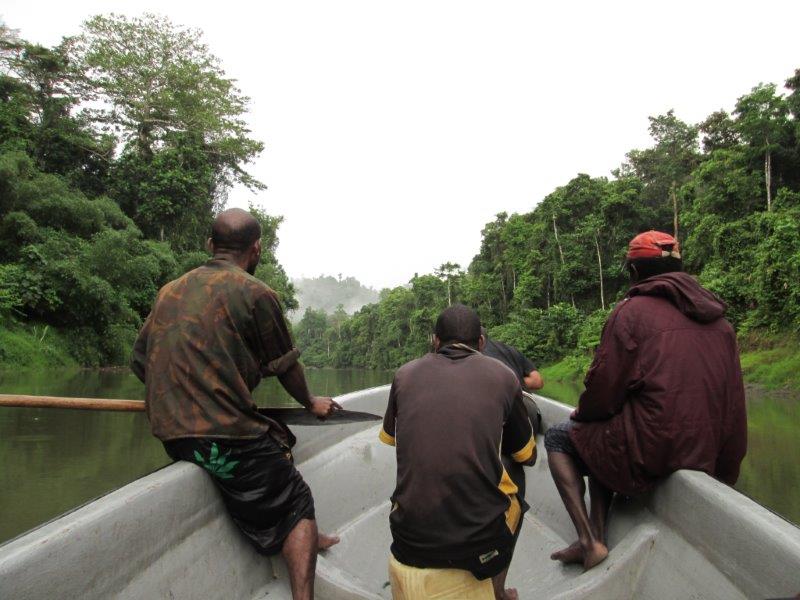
x=395 y=130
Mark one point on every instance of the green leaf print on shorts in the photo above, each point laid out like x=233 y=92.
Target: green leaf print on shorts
x=217 y=464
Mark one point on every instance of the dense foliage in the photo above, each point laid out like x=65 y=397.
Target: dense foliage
x=544 y=281
x=118 y=146
x=116 y=149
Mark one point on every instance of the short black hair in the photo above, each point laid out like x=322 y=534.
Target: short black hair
x=235 y=230
x=640 y=269
x=458 y=323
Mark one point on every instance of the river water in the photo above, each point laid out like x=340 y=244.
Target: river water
x=55 y=460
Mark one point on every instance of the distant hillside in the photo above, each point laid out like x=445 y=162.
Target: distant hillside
x=326 y=293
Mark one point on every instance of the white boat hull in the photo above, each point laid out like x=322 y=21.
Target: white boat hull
x=167 y=536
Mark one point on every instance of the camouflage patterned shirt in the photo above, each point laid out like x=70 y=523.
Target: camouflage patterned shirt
x=210 y=338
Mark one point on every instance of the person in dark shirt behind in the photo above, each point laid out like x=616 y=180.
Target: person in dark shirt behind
x=528 y=378
x=515 y=360
x=455 y=509
x=664 y=392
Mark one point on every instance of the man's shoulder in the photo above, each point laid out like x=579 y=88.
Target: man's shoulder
x=206 y=281
x=237 y=278
x=415 y=364
x=632 y=309
x=504 y=348
x=498 y=368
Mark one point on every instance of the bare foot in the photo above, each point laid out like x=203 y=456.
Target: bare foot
x=510 y=594
x=594 y=554
x=326 y=541
x=572 y=554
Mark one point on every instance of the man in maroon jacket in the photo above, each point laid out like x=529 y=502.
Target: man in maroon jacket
x=664 y=392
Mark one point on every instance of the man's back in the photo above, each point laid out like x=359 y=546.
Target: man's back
x=449 y=413
x=201 y=351
x=665 y=388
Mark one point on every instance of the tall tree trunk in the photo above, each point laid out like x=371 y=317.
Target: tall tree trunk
x=449 y=299
x=548 y=291
x=555 y=231
x=768 y=177
x=674 y=210
x=505 y=300
x=600 y=270
x=561 y=253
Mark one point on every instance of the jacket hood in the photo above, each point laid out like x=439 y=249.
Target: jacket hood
x=688 y=296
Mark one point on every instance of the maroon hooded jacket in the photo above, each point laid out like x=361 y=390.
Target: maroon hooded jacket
x=664 y=391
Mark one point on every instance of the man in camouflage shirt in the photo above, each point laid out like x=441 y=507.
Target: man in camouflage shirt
x=211 y=336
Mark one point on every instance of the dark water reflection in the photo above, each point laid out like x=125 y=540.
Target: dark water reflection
x=770 y=472
x=54 y=460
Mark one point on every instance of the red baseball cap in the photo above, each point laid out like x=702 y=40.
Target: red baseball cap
x=653 y=244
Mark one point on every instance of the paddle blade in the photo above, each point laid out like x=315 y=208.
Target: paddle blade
x=300 y=416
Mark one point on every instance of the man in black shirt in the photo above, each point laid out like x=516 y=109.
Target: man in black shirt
x=522 y=366
x=455 y=510
x=528 y=378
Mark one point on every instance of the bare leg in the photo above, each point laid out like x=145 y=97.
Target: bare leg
x=571 y=487
x=572 y=553
x=601 y=498
x=499 y=583
x=598 y=517
x=300 y=553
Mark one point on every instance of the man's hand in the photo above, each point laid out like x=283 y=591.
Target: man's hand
x=322 y=407
x=534 y=381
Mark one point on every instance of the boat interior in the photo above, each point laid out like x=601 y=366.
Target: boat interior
x=167 y=535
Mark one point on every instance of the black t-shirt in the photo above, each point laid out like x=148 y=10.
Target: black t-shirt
x=511 y=357
x=450 y=415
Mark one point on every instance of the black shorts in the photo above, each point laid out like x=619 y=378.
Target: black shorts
x=262 y=490
x=557 y=439
x=517 y=474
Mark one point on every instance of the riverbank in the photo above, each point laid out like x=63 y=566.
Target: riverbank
x=769 y=362
x=33 y=347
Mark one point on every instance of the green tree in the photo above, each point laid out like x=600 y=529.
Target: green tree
x=668 y=164
x=719 y=132
x=451 y=274
x=762 y=122
x=269 y=269
x=37 y=116
x=178 y=117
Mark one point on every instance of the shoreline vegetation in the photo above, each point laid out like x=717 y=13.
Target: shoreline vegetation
x=775 y=366
x=109 y=183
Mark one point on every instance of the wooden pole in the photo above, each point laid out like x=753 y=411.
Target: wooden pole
x=289 y=416
x=21 y=401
